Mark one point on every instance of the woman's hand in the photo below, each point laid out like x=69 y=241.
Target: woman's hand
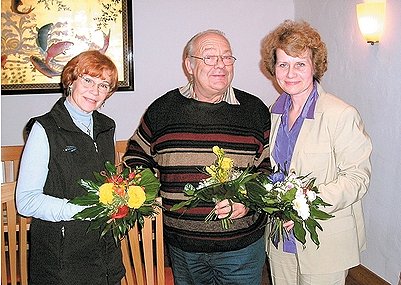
x=223 y=209
x=288 y=225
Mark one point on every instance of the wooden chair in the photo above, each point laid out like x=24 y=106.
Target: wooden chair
x=143 y=253
x=14 y=235
x=121 y=147
x=10 y=159
x=143 y=249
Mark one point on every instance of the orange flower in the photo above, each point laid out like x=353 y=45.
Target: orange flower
x=120 y=190
x=121 y=212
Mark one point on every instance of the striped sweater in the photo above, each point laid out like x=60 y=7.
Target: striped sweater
x=175 y=137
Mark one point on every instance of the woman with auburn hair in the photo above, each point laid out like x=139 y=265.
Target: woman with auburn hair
x=64 y=145
x=314 y=132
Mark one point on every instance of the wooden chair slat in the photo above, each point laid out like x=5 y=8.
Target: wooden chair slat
x=10 y=160
x=14 y=247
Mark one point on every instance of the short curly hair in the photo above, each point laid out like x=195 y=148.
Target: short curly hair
x=93 y=63
x=294 y=38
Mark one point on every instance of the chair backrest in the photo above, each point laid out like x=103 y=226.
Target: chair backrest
x=121 y=147
x=14 y=235
x=10 y=159
x=143 y=253
x=143 y=249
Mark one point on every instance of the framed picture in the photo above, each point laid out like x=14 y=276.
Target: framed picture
x=38 y=37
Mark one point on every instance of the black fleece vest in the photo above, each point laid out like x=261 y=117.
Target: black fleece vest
x=66 y=252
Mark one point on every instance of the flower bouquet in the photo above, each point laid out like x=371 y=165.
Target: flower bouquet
x=225 y=181
x=291 y=197
x=117 y=200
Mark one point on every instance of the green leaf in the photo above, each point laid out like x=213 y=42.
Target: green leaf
x=319 y=201
x=87 y=200
x=99 y=178
x=107 y=228
x=256 y=194
x=270 y=210
x=189 y=189
x=289 y=195
x=311 y=227
x=151 y=184
x=89 y=185
x=125 y=173
x=140 y=220
x=299 y=232
x=98 y=223
x=180 y=205
x=110 y=168
x=91 y=213
x=146 y=210
x=320 y=215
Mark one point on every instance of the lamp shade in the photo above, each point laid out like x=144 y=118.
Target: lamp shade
x=371 y=20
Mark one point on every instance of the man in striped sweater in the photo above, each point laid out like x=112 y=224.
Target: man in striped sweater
x=175 y=137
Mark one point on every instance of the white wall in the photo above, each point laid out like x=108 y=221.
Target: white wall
x=161 y=29
x=369 y=77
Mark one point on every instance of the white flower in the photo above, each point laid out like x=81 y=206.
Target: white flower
x=235 y=174
x=300 y=205
x=268 y=186
x=311 y=195
x=204 y=183
x=289 y=185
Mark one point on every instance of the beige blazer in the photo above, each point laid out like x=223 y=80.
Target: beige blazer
x=335 y=149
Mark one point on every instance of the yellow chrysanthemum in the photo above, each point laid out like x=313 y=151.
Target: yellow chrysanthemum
x=136 y=197
x=106 y=193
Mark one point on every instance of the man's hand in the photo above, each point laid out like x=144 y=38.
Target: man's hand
x=223 y=208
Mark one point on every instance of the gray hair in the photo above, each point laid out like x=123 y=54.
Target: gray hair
x=190 y=46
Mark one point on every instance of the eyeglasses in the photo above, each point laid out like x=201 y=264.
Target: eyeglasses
x=212 y=60
x=89 y=83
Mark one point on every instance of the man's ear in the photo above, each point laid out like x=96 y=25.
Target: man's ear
x=188 y=66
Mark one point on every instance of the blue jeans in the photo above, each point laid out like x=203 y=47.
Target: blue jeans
x=238 y=267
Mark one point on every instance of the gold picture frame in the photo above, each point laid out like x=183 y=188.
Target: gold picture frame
x=38 y=37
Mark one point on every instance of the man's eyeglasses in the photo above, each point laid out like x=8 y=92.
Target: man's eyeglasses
x=212 y=60
x=102 y=87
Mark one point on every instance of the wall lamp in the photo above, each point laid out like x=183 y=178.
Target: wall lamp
x=371 y=20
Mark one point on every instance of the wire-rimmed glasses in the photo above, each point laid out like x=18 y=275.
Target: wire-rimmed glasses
x=212 y=60
x=102 y=87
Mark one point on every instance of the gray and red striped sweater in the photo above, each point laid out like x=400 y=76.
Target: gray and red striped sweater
x=175 y=137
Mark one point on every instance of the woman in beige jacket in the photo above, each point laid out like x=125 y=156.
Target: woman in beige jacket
x=315 y=132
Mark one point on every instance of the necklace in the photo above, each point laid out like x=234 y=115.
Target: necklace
x=87 y=127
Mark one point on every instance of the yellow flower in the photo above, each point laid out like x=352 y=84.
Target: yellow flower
x=211 y=170
x=136 y=196
x=106 y=193
x=223 y=176
x=218 y=151
x=226 y=163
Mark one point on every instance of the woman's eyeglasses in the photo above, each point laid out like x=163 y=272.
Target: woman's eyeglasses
x=89 y=83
